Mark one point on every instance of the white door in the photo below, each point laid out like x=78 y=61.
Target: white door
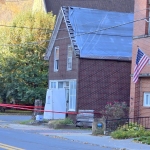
x=59 y=103
x=55 y=106
x=48 y=105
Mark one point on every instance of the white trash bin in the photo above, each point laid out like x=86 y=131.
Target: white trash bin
x=39 y=117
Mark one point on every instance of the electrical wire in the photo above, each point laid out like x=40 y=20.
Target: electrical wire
x=93 y=31
x=84 y=32
x=29 y=43
x=52 y=30
x=105 y=29
x=25 y=27
x=113 y=26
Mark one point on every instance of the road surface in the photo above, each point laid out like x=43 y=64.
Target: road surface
x=23 y=137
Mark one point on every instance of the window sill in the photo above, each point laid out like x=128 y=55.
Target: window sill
x=55 y=70
x=146 y=107
x=69 y=69
x=71 y=110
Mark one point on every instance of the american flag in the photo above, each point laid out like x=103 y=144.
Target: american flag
x=141 y=61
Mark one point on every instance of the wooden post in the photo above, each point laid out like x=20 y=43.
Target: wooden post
x=37 y=108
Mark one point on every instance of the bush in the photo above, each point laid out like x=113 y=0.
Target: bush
x=143 y=139
x=130 y=131
x=115 y=110
x=64 y=122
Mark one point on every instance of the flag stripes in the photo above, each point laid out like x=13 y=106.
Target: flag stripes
x=141 y=61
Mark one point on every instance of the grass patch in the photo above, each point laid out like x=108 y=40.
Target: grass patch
x=26 y=122
x=62 y=122
x=17 y=112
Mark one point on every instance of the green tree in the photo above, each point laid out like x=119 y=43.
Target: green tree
x=23 y=72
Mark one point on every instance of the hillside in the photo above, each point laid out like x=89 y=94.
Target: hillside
x=10 y=8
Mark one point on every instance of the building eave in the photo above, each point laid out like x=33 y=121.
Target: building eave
x=54 y=35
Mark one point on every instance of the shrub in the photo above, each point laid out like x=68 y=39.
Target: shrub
x=130 y=131
x=143 y=139
x=115 y=110
x=64 y=122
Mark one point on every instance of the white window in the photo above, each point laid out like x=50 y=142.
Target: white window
x=146 y=101
x=53 y=85
x=60 y=85
x=56 y=59
x=69 y=58
x=72 y=96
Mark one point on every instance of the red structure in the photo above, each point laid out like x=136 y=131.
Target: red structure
x=140 y=92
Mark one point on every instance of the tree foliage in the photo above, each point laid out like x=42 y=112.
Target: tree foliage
x=9 y=9
x=23 y=72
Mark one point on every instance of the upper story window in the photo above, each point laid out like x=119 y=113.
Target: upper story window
x=69 y=58
x=56 y=58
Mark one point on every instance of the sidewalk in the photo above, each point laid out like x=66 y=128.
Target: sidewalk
x=103 y=141
x=82 y=136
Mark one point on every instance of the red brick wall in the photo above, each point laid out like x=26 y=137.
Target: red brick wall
x=141 y=40
x=63 y=46
x=110 y=5
x=145 y=87
x=102 y=81
x=139 y=26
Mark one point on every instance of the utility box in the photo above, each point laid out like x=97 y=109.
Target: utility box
x=99 y=126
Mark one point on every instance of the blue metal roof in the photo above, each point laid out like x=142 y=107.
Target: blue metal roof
x=95 y=40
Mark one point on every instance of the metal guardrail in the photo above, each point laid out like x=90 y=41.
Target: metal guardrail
x=113 y=124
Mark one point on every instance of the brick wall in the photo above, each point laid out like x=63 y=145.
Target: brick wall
x=142 y=40
x=63 y=46
x=111 y=5
x=102 y=81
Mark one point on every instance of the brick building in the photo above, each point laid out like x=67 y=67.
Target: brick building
x=93 y=67
x=140 y=92
x=110 y=5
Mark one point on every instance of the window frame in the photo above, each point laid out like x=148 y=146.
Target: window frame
x=69 y=58
x=56 y=60
x=146 y=102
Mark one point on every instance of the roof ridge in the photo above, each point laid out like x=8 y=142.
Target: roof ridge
x=70 y=29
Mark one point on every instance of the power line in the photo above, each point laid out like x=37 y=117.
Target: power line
x=106 y=29
x=29 y=43
x=80 y=33
x=90 y=32
x=25 y=27
x=112 y=26
x=52 y=30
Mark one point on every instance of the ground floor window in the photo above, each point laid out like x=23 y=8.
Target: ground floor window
x=72 y=96
x=146 y=101
x=70 y=91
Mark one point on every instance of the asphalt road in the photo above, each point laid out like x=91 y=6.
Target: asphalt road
x=13 y=137
x=14 y=118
